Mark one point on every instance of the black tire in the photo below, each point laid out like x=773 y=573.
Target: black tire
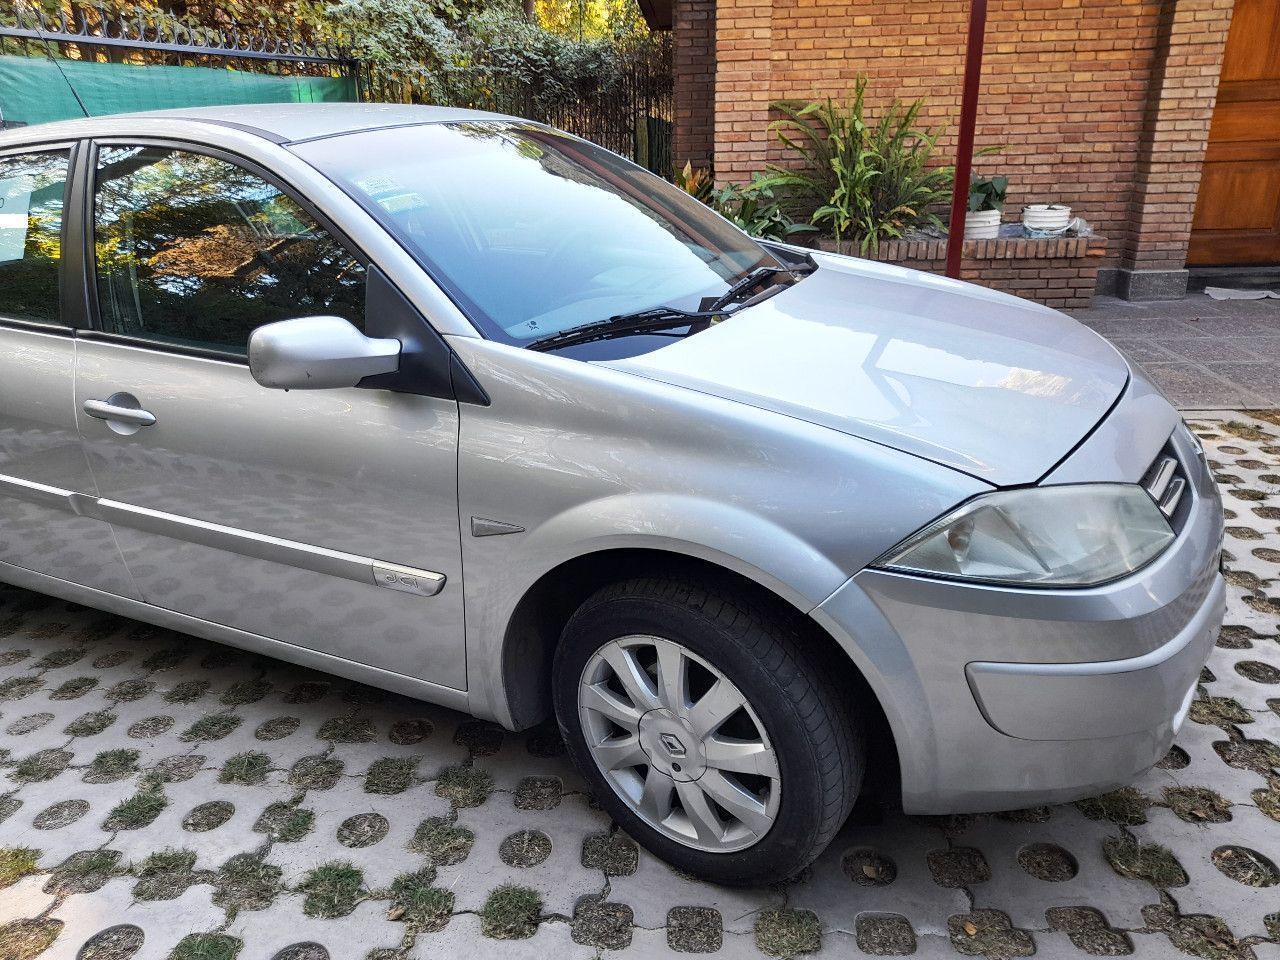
x=816 y=735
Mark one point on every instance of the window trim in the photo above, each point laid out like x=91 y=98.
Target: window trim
x=66 y=237
x=94 y=328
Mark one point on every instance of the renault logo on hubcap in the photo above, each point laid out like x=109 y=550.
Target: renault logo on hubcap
x=672 y=745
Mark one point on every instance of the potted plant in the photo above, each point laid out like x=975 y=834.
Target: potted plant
x=986 y=203
x=1051 y=217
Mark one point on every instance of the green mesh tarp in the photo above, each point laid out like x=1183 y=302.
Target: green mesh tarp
x=32 y=90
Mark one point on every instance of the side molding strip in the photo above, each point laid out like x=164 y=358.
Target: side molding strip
x=334 y=563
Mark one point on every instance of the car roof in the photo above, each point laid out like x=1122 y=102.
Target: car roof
x=282 y=122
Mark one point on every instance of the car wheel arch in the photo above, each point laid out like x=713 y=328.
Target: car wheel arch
x=535 y=625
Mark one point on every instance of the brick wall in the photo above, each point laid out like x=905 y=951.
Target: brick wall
x=694 y=68
x=1059 y=273
x=744 y=52
x=1077 y=92
x=1184 y=85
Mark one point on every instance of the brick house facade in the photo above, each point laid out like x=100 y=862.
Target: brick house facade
x=1102 y=104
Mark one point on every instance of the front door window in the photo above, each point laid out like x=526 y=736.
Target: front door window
x=195 y=251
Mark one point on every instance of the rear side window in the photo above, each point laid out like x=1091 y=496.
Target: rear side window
x=195 y=251
x=32 y=189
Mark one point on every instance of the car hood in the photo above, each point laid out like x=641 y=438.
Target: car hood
x=997 y=387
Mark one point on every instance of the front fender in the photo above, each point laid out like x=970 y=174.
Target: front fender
x=728 y=536
x=500 y=571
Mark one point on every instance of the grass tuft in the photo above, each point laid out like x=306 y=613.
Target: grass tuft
x=332 y=889
x=511 y=913
x=1198 y=804
x=138 y=810
x=84 y=872
x=1267 y=799
x=112 y=765
x=16 y=863
x=525 y=848
x=1144 y=861
x=247 y=768
x=25 y=939
x=245 y=882
x=614 y=853
x=1218 y=712
x=415 y=900
x=603 y=925
x=788 y=933
x=164 y=659
x=285 y=823
x=72 y=689
x=188 y=691
x=206 y=946
x=464 y=786
x=442 y=840
x=346 y=730
x=246 y=691
x=1125 y=807
x=41 y=766
x=390 y=775
x=695 y=929
x=15 y=688
x=164 y=875
x=213 y=726
x=316 y=772
x=60 y=658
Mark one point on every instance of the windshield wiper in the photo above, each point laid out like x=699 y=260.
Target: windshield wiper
x=755 y=278
x=657 y=319
x=653 y=320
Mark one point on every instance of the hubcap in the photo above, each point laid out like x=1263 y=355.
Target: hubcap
x=679 y=743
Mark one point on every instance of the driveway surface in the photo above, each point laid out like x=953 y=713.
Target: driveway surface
x=1205 y=354
x=166 y=797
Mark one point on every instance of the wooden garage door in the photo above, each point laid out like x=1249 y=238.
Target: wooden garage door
x=1238 y=214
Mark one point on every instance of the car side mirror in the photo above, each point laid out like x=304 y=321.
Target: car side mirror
x=317 y=353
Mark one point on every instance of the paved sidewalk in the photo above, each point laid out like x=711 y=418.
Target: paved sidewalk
x=164 y=797
x=1205 y=354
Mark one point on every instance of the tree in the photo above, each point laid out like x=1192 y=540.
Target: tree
x=591 y=19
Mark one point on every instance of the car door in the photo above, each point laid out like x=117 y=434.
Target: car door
x=286 y=514
x=42 y=466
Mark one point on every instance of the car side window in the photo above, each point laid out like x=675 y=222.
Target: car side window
x=195 y=251
x=32 y=187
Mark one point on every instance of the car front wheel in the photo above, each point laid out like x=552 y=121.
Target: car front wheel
x=706 y=729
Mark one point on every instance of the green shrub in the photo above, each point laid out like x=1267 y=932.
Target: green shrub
x=867 y=181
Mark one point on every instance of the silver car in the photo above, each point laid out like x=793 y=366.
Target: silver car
x=468 y=408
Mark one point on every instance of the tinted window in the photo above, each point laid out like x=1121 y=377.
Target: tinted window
x=534 y=231
x=31 y=196
x=196 y=251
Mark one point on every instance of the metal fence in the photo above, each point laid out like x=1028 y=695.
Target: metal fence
x=92 y=33
x=628 y=111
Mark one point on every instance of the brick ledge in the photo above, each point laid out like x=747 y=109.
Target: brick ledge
x=1001 y=248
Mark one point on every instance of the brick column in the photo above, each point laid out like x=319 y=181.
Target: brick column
x=694 y=68
x=1175 y=132
x=744 y=51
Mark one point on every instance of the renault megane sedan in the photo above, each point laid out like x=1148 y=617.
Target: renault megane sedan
x=468 y=408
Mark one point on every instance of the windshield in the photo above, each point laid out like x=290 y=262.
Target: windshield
x=534 y=232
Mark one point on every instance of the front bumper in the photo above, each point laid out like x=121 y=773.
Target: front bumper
x=1002 y=698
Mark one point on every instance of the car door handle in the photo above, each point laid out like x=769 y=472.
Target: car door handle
x=106 y=410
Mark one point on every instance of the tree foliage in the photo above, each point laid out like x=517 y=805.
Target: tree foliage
x=591 y=19
x=462 y=52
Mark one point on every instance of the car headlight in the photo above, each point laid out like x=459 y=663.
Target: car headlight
x=1067 y=536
